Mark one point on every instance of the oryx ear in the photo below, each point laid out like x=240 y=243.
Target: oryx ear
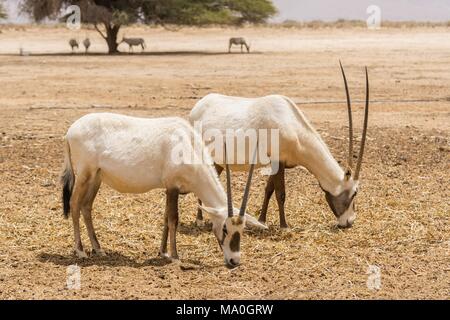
x=251 y=221
x=213 y=212
x=348 y=174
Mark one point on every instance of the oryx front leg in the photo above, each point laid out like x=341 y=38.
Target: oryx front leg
x=172 y=221
x=270 y=187
x=165 y=234
x=280 y=194
x=199 y=219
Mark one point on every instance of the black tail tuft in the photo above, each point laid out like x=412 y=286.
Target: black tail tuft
x=67 y=181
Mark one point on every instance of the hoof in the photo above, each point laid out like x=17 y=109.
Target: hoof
x=81 y=254
x=164 y=255
x=99 y=252
x=200 y=223
x=285 y=228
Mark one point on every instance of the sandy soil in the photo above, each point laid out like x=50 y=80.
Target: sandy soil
x=403 y=223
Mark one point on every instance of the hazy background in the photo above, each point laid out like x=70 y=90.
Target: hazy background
x=395 y=10
x=329 y=10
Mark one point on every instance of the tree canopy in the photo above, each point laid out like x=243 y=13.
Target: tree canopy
x=112 y=14
x=2 y=11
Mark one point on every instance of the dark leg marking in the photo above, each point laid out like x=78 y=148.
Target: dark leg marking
x=86 y=209
x=280 y=193
x=79 y=192
x=270 y=187
x=172 y=220
x=163 y=248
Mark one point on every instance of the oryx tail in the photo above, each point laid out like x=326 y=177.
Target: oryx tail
x=67 y=180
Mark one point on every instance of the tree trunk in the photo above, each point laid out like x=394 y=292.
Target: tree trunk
x=111 y=38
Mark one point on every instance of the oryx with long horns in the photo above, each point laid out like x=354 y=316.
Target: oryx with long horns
x=299 y=145
x=136 y=155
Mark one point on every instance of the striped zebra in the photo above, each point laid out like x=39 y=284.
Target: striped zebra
x=238 y=42
x=134 y=42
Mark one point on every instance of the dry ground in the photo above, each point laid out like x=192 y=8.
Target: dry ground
x=403 y=223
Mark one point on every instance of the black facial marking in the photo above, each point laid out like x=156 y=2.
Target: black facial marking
x=339 y=204
x=235 y=242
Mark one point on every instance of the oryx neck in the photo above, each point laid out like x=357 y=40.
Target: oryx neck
x=317 y=158
x=207 y=187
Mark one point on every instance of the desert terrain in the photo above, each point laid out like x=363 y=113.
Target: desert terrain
x=403 y=224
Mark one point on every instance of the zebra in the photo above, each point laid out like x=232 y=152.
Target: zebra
x=87 y=44
x=238 y=41
x=134 y=42
x=73 y=43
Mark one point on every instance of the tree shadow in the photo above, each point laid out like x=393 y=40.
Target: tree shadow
x=136 y=54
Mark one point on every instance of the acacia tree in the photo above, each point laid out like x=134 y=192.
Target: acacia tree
x=108 y=16
x=2 y=11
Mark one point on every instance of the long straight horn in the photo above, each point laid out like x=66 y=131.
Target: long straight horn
x=350 y=120
x=364 y=133
x=249 y=182
x=229 y=199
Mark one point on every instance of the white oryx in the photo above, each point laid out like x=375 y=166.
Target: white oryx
x=87 y=44
x=299 y=145
x=73 y=44
x=238 y=42
x=135 y=155
x=134 y=42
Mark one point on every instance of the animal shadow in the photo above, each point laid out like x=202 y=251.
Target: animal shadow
x=114 y=259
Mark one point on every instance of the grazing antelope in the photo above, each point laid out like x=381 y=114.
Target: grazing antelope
x=134 y=42
x=299 y=145
x=73 y=43
x=87 y=44
x=133 y=155
x=238 y=42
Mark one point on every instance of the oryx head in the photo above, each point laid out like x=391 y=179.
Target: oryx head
x=229 y=222
x=343 y=204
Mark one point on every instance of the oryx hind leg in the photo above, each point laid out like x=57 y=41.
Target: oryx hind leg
x=78 y=194
x=93 y=186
